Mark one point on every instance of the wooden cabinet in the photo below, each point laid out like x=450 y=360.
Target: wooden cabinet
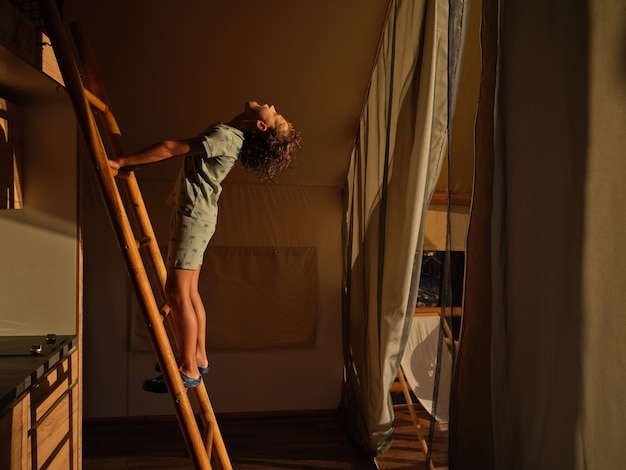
x=42 y=430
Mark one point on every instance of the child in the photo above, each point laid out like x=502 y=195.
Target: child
x=264 y=142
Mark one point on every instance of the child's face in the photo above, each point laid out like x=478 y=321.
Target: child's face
x=265 y=115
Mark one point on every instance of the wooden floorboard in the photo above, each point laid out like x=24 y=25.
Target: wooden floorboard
x=406 y=452
x=308 y=441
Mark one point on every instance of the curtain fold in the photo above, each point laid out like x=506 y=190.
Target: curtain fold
x=471 y=430
x=393 y=171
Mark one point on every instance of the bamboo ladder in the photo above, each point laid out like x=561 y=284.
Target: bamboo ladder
x=128 y=214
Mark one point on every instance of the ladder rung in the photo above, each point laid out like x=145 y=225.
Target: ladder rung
x=165 y=310
x=96 y=102
x=123 y=173
x=143 y=241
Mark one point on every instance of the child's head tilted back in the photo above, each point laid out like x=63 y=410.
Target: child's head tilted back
x=270 y=142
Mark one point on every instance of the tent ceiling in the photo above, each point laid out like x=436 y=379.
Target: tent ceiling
x=313 y=60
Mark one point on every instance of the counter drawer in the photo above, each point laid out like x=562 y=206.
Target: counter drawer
x=41 y=431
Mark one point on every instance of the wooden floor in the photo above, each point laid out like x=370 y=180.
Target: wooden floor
x=269 y=443
x=405 y=452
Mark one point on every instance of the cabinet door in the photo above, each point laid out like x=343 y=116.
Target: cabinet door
x=14 y=441
x=53 y=434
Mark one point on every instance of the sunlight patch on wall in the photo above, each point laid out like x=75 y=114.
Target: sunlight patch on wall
x=11 y=155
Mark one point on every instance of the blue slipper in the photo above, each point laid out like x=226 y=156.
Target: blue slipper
x=158 y=385
x=202 y=370
x=188 y=382
x=155 y=385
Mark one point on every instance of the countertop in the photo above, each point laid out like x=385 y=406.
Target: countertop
x=20 y=368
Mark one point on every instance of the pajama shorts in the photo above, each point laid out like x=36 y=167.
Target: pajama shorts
x=189 y=238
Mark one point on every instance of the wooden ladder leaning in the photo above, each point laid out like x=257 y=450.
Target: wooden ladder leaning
x=134 y=231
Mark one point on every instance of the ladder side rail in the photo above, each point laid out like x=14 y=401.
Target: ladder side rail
x=96 y=86
x=154 y=256
x=94 y=142
x=111 y=127
x=85 y=118
x=101 y=100
x=213 y=435
x=128 y=183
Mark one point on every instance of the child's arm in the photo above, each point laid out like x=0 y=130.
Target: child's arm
x=158 y=152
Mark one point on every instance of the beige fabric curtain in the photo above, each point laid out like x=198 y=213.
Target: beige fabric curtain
x=554 y=280
x=393 y=171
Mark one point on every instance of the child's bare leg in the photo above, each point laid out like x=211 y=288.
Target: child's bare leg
x=198 y=307
x=178 y=288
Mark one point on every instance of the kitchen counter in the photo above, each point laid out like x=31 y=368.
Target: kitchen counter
x=20 y=368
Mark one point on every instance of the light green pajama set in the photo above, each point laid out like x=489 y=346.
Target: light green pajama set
x=195 y=194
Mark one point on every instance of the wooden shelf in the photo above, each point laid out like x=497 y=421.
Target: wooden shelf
x=21 y=82
x=24 y=54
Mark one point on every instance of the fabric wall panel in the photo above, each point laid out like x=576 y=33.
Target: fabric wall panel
x=260 y=279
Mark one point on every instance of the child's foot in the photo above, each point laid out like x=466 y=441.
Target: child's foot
x=202 y=370
x=158 y=385
x=202 y=359
x=155 y=385
x=190 y=382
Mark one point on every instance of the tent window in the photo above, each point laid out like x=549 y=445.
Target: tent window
x=431 y=289
x=432 y=296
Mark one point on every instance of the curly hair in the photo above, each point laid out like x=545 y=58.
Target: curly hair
x=269 y=153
